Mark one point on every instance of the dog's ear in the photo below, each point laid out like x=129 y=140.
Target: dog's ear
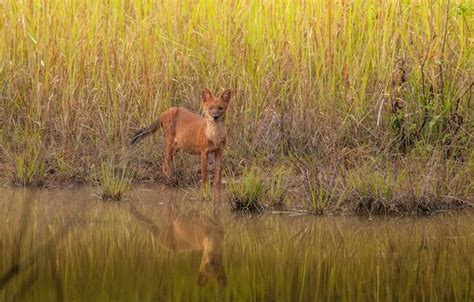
x=226 y=95
x=206 y=95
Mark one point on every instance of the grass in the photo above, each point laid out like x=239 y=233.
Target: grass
x=356 y=85
x=403 y=186
x=250 y=192
x=27 y=165
x=246 y=193
x=275 y=194
x=206 y=192
x=113 y=182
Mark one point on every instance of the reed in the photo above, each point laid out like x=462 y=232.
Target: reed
x=113 y=181
x=352 y=81
x=246 y=193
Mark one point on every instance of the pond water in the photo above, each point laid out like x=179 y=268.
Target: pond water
x=165 y=244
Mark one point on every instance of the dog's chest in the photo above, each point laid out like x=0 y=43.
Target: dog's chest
x=216 y=132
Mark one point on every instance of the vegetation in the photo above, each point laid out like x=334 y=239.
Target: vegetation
x=372 y=101
x=114 y=182
x=246 y=194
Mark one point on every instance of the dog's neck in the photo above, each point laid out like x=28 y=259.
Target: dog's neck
x=216 y=131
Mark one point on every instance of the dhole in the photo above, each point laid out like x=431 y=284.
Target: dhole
x=184 y=130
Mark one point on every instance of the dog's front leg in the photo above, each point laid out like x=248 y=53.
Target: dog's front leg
x=218 y=173
x=203 y=168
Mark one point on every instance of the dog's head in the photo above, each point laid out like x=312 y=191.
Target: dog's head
x=215 y=107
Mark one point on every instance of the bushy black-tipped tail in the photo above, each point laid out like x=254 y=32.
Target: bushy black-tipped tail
x=142 y=133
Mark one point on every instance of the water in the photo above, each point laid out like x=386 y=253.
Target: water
x=167 y=245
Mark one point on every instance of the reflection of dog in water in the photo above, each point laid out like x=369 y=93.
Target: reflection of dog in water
x=180 y=233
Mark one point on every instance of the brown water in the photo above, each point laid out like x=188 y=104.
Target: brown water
x=167 y=245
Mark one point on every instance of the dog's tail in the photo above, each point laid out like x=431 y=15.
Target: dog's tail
x=144 y=132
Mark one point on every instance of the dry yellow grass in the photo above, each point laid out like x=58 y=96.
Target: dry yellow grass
x=355 y=82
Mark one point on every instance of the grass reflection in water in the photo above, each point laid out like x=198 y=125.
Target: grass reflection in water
x=161 y=245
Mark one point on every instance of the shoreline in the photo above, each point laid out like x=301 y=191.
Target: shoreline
x=198 y=196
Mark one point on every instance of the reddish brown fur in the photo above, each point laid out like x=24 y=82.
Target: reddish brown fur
x=184 y=130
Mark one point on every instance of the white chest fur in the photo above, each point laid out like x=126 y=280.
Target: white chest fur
x=216 y=132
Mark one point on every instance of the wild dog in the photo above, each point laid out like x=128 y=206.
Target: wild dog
x=194 y=134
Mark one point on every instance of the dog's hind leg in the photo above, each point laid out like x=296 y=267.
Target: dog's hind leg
x=170 y=151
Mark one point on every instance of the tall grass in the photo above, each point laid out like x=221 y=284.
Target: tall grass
x=351 y=79
x=113 y=181
x=246 y=193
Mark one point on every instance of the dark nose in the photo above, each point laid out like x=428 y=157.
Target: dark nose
x=215 y=117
